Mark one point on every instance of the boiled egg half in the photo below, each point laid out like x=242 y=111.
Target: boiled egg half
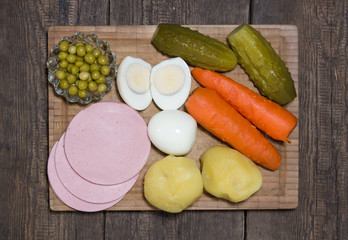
x=133 y=82
x=170 y=83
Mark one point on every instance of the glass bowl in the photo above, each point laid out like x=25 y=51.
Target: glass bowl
x=53 y=66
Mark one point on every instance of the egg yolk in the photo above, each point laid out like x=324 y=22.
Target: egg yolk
x=169 y=79
x=138 y=78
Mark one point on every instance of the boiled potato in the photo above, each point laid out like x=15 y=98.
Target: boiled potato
x=173 y=183
x=229 y=174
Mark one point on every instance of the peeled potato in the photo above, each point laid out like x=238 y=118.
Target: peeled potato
x=228 y=174
x=173 y=183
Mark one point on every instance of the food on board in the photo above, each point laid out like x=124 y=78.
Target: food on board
x=264 y=66
x=173 y=183
x=83 y=189
x=195 y=48
x=107 y=143
x=170 y=83
x=172 y=131
x=229 y=174
x=81 y=68
x=65 y=196
x=268 y=116
x=219 y=118
x=133 y=82
x=99 y=157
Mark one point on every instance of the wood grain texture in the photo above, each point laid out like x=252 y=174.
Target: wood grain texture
x=22 y=127
x=323 y=192
x=24 y=202
x=185 y=226
x=146 y=12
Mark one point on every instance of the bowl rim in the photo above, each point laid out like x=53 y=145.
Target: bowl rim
x=53 y=65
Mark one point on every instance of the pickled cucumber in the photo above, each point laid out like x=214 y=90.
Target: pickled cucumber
x=265 y=68
x=195 y=48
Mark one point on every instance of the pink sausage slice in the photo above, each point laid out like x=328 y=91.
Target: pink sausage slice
x=65 y=196
x=81 y=188
x=107 y=143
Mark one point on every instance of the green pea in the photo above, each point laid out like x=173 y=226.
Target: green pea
x=79 y=44
x=96 y=52
x=92 y=86
x=102 y=60
x=84 y=68
x=82 y=85
x=94 y=67
x=84 y=75
x=73 y=90
x=62 y=55
x=69 y=67
x=78 y=63
x=82 y=94
x=81 y=51
x=64 y=84
x=101 y=79
x=71 y=78
x=63 y=64
x=105 y=70
x=102 y=88
x=72 y=49
x=64 y=46
x=71 y=58
x=95 y=75
x=89 y=58
x=74 y=69
x=60 y=74
x=89 y=48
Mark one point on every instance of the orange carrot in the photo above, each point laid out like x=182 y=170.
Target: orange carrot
x=268 y=116
x=213 y=113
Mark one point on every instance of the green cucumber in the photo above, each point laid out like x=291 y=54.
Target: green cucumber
x=195 y=48
x=265 y=68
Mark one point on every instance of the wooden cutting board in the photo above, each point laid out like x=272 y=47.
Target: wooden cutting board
x=279 y=189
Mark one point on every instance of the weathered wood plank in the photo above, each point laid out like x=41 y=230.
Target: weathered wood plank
x=186 y=225
x=24 y=197
x=200 y=12
x=323 y=190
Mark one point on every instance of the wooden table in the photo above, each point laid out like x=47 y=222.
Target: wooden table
x=322 y=211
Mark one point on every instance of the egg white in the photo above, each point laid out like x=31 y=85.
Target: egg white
x=138 y=101
x=176 y=100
